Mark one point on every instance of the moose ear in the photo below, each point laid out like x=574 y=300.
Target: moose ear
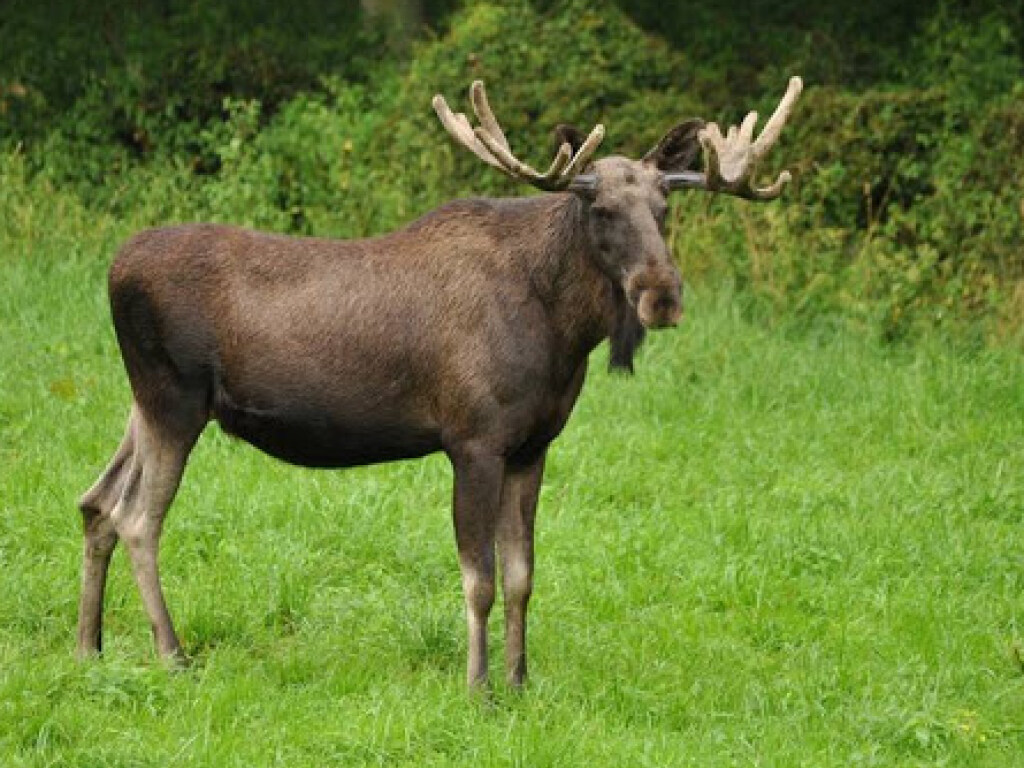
x=678 y=149
x=571 y=135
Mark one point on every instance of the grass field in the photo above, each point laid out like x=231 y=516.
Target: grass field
x=766 y=549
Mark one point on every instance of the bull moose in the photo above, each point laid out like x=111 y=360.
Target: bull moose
x=467 y=332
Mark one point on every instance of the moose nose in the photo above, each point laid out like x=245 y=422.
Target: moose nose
x=660 y=308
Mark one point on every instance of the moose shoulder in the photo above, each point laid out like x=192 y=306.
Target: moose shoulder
x=467 y=332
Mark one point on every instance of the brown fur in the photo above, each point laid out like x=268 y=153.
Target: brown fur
x=468 y=332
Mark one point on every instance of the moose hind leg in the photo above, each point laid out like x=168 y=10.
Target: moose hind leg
x=519 y=494
x=100 y=538
x=153 y=477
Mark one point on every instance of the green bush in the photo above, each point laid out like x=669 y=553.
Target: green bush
x=354 y=160
x=904 y=216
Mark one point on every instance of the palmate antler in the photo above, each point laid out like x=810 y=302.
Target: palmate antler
x=731 y=161
x=488 y=142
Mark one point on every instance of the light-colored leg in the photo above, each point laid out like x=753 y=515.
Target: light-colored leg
x=520 y=492
x=100 y=540
x=477 y=495
x=153 y=479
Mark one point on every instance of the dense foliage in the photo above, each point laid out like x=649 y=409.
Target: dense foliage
x=906 y=214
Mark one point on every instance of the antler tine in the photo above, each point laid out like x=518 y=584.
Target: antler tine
x=487 y=141
x=482 y=107
x=772 y=129
x=586 y=151
x=459 y=128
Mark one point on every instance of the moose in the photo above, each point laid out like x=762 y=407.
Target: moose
x=467 y=332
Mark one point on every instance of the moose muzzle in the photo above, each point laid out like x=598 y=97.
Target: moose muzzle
x=657 y=298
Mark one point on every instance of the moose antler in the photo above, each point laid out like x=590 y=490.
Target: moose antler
x=488 y=142
x=731 y=161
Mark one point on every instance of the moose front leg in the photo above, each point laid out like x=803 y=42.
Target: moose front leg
x=519 y=494
x=478 y=480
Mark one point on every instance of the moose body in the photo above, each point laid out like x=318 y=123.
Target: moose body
x=332 y=353
x=467 y=332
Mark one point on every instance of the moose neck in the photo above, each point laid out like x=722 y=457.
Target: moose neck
x=586 y=304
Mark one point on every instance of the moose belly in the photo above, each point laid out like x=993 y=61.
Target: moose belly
x=318 y=439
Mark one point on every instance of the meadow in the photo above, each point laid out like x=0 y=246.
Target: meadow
x=771 y=547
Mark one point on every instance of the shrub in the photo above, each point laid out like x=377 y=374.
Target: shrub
x=904 y=216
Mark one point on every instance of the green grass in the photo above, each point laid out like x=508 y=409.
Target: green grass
x=766 y=549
